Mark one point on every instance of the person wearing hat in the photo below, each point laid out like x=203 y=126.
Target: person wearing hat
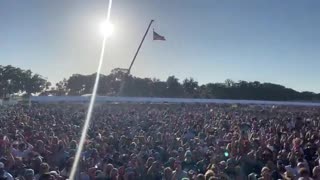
x=188 y=163
x=29 y=174
x=4 y=174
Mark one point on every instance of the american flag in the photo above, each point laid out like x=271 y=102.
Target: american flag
x=156 y=36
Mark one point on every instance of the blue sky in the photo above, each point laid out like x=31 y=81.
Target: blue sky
x=211 y=40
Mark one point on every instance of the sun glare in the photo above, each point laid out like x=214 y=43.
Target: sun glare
x=106 y=28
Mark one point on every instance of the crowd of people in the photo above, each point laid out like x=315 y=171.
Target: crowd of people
x=160 y=142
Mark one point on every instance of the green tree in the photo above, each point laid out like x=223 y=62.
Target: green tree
x=61 y=88
x=175 y=89
x=191 y=88
x=35 y=84
x=15 y=80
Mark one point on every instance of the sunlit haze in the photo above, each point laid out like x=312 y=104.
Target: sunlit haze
x=210 y=40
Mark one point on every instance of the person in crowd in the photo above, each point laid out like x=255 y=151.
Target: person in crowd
x=167 y=174
x=179 y=173
x=265 y=174
x=29 y=174
x=4 y=175
x=304 y=174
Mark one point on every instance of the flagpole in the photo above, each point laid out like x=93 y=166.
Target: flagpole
x=134 y=58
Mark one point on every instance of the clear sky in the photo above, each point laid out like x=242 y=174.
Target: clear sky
x=211 y=40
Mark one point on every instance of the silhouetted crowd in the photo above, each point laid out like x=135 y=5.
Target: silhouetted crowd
x=160 y=142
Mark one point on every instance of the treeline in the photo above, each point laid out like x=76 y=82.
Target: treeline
x=16 y=80
x=117 y=84
x=24 y=82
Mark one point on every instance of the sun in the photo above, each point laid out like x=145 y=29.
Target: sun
x=106 y=28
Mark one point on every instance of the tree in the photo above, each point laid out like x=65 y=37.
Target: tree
x=229 y=83
x=174 y=87
x=10 y=80
x=191 y=88
x=137 y=87
x=35 y=84
x=159 y=88
x=77 y=84
x=15 y=80
x=119 y=78
x=60 y=89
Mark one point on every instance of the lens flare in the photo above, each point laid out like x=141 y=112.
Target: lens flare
x=106 y=28
x=74 y=168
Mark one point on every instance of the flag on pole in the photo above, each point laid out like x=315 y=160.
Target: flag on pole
x=157 y=36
